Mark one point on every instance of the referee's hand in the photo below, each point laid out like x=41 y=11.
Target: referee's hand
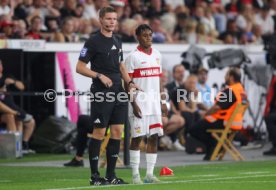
x=106 y=81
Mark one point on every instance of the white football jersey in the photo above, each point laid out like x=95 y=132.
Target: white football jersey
x=145 y=70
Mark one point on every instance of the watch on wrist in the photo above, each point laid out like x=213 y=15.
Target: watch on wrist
x=98 y=75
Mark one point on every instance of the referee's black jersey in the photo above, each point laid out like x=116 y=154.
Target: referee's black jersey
x=104 y=54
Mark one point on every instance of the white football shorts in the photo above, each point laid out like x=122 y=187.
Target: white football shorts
x=147 y=125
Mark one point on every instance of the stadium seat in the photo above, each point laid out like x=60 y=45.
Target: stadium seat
x=225 y=137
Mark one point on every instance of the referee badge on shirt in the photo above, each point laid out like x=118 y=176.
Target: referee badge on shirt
x=83 y=52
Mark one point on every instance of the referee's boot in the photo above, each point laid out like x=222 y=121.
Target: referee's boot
x=97 y=180
x=116 y=181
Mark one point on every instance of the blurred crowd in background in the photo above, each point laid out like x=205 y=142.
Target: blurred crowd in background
x=173 y=21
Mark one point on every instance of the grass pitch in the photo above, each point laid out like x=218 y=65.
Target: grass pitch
x=231 y=176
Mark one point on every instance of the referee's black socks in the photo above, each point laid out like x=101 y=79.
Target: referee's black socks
x=94 y=151
x=112 y=153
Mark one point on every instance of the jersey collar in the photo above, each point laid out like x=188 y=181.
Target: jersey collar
x=141 y=50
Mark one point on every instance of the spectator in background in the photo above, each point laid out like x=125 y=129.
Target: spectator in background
x=172 y=131
x=84 y=127
x=175 y=3
x=69 y=9
x=86 y=30
x=42 y=9
x=208 y=21
x=178 y=77
x=20 y=29
x=230 y=36
x=245 y=19
x=137 y=7
x=220 y=112
x=78 y=12
x=23 y=9
x=171 y=124
x=218 y=14
x=188 y=105
x=7 y=117
x=91 y=11
x=179 y=30
x=35 y=29
x=118 y=5
x=139 y=19
x=265 y=20
x=257 y=32
x=7 y=7
x=24 y=121
x=52 y=24
x=232 y=9
x=127 y=30
x=191 y=36
x=67 y=32
x=156 y=8
x=57 y=4
x=6 y=30
x=159 y=34
x=203 y=88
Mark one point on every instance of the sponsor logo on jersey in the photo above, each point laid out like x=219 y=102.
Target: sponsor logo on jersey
x=146 y=72
x=149 y=72
x=83 y=52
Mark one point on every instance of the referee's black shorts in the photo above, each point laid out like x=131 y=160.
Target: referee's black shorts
x=106 y=108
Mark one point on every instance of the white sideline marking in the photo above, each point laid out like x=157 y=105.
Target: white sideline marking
x=5 y=181
x=235 y=182
x=207 y=175
x=168 y=182
x=258 y=172
x=68 y=179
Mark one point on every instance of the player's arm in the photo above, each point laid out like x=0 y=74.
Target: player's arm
x=132 y=92
x=128 y=81
x=163 y=97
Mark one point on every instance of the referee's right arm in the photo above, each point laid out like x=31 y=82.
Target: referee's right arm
x=84 y=70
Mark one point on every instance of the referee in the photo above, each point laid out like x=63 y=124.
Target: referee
x=104 y=51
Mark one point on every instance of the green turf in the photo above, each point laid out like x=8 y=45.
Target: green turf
x=38 y=158
x=241 y=176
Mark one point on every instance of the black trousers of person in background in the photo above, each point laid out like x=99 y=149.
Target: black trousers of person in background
x=84 y=126
x=190 y=120
x=199 y=132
